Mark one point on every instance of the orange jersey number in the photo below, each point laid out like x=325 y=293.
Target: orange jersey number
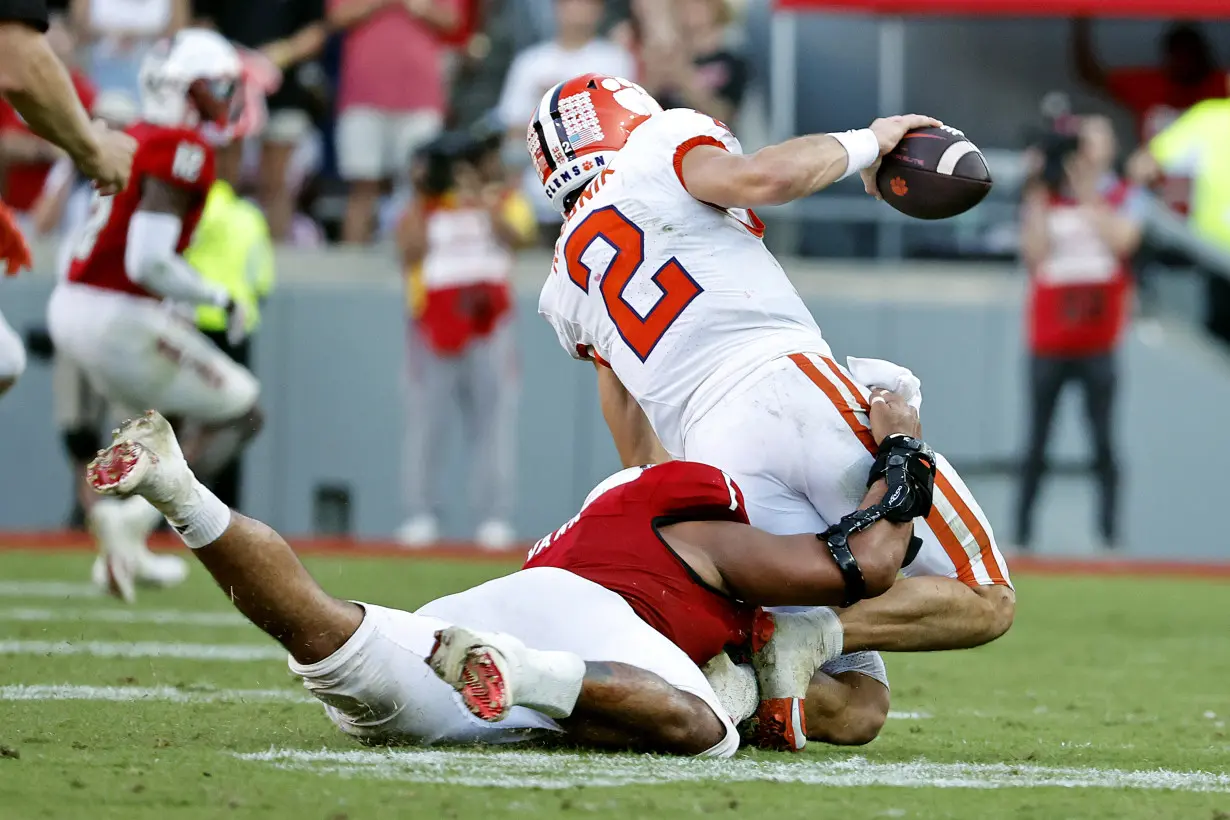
x=641 y=334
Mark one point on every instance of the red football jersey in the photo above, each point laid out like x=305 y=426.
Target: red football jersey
x=614 y=542
x=179 y=156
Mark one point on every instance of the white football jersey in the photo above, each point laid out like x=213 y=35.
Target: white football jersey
x=682 y=299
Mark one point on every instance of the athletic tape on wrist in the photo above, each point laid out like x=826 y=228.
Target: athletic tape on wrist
x=862 y=149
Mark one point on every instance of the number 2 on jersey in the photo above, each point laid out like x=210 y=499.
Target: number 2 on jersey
x=641 y=334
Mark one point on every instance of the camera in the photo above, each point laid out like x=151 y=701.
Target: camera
x=1057 y=149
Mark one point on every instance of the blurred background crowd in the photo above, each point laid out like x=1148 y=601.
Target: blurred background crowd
x=399 y=125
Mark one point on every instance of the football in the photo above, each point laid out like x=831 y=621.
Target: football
x=934 y=173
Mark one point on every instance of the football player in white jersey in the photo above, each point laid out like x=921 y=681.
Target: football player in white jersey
x=706 y=352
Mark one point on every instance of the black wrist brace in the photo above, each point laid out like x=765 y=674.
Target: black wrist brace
x=907 y=465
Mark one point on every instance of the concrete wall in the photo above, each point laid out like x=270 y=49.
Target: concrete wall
x=330 y=360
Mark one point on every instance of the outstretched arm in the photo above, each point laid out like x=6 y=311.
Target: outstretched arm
x=788 y=570
x=799 y=570
x=793 y=169
x=38 y=86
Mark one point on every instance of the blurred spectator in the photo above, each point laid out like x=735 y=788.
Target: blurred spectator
x=1197 y=145
x=392 y=94
x=458 y=241
x=118 y=32
x=483 y=60
x=290 y=34
x=1156 y=96
x=699 y=72
x=232 y=247
x=26 y=160
x=576 y=49
x=1080 y=227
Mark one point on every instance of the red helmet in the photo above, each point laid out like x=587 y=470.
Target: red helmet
x=578 y=127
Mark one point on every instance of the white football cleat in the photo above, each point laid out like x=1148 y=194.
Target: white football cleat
x=480 y=666
x=144 y=459
x=119 y=555
x=496 y=535
x=153 y=570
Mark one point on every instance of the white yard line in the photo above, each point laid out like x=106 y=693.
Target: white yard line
x=123 y=616
x=146 y=649
x=168 y=694
x=516 y=769
x=895 y=715
x=48 y=589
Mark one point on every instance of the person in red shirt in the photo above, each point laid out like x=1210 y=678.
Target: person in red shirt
x=1157 y=95
x=1077 y=237
x=599 y=636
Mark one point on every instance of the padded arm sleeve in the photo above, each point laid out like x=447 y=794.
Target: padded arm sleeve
x=152 y=262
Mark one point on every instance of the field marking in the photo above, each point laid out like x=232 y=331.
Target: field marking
x=48 y=589
x=518 y=769
x=146 y=649
x=166 y=694
x=123 y=616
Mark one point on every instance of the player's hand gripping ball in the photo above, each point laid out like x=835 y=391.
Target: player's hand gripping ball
x=933 y=173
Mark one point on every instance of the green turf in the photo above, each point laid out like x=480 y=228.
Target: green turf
x=1096 y=674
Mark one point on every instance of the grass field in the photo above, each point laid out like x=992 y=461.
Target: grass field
x=1108 y=699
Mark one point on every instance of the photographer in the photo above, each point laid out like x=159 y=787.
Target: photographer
x=458 y=241
x=1078 y=234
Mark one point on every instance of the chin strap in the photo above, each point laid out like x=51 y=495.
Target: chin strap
x=907 y=466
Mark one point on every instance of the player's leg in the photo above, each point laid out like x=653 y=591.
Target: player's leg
x=610 y=678
x=250 y=562
x=966 y=598
x=602 y=704
x=364 y=662
x=12 y=356
x=1046 y=379
x=848 y=699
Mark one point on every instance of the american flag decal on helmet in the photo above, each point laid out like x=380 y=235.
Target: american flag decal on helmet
x=580 y=120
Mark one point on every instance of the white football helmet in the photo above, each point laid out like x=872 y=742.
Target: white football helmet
x=191 y=79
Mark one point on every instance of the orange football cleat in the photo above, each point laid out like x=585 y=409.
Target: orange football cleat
x=778 y=725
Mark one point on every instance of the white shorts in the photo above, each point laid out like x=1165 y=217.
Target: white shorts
x=12 y=352
x=374 y=144
x=796 y=438
x=379 y=689
x=141 y=355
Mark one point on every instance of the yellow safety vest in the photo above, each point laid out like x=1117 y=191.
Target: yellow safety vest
x=1198 y=144
x=232 y=248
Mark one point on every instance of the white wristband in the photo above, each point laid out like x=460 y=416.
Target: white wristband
x=862 y=149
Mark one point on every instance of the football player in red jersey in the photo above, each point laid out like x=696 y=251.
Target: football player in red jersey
x=599 y=637
x=111 y=315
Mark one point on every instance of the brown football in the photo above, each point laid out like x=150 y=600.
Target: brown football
x=934 y=173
